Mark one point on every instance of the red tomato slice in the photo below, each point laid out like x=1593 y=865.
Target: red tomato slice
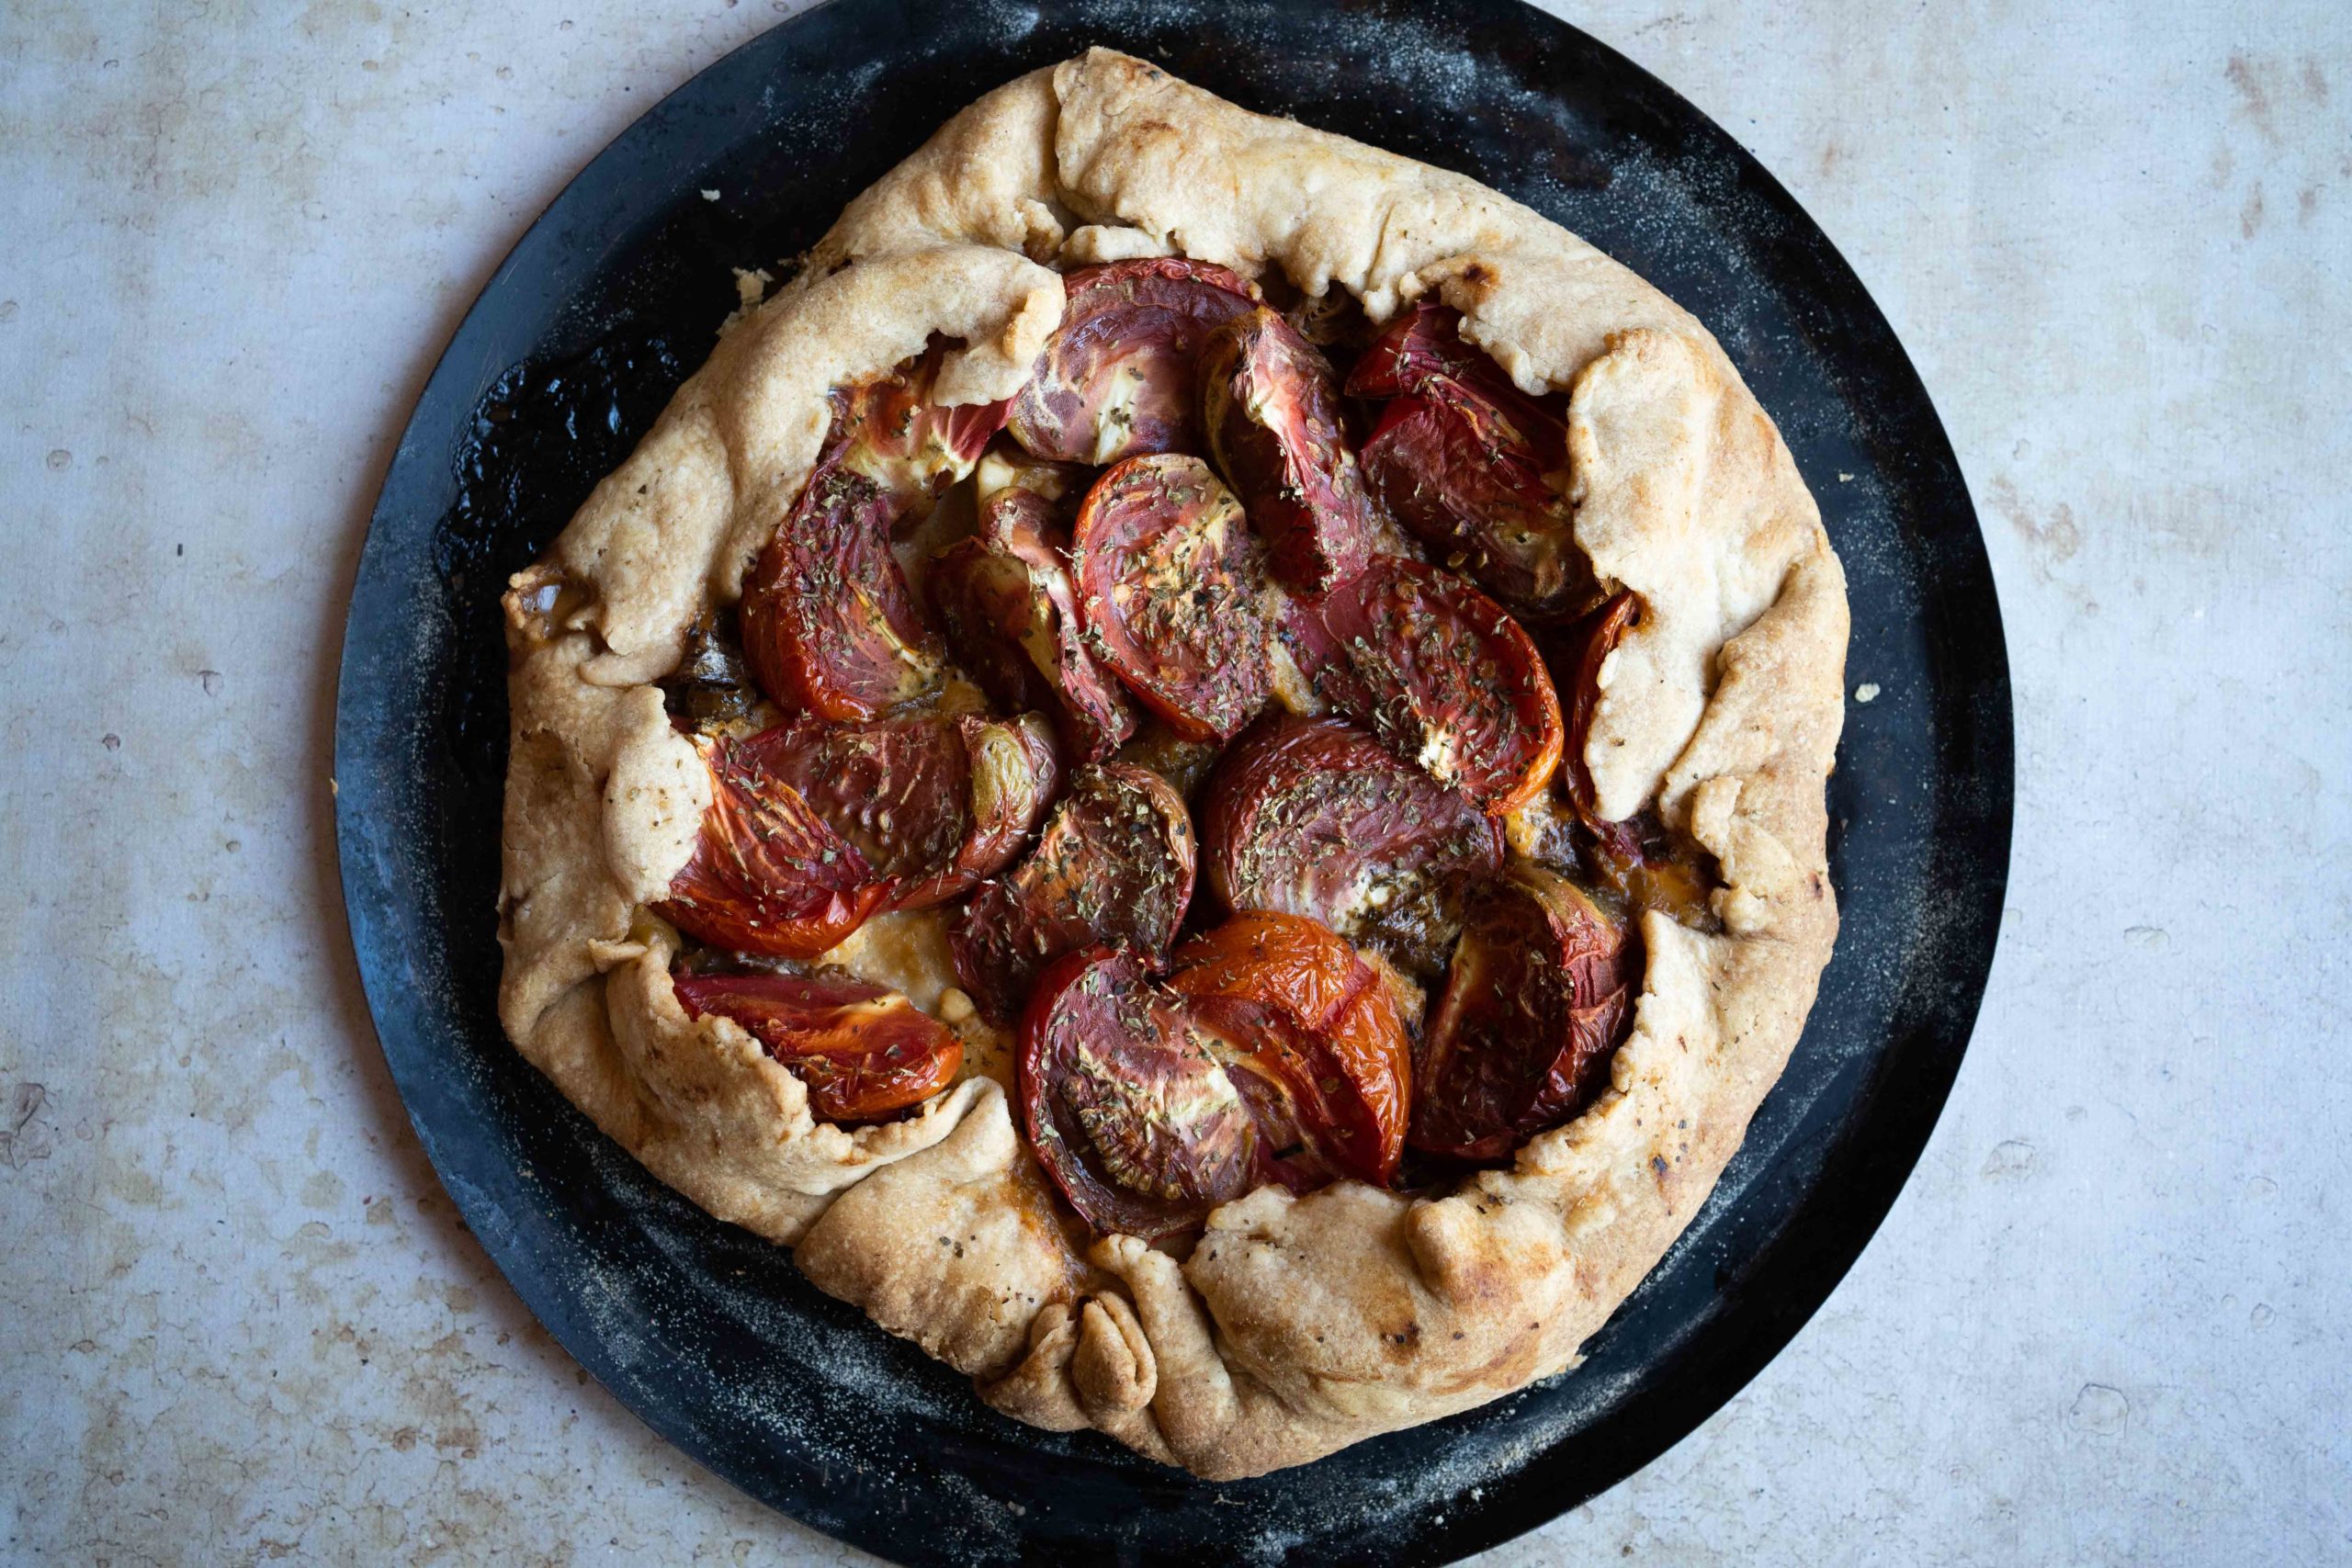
x=912 y=448
x=1009 y=611
x=1269 y=405
x=1316 y=817
x=1015 y=776
x=1442 y=676
x=1113 y=867
x=1539 y=999
x=1474 y=467
x=1119 y=377
x=769 y=874
x=1169 y=581
x=934 y=804
x=828 y=624
x=1128 y=1108
x=1423 y=345
x=864 y=1050
x=1321 y=1032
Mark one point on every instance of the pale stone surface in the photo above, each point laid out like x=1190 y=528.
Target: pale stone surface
x=2107 y=1322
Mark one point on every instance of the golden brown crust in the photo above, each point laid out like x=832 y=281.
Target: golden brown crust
x=1296 y=1325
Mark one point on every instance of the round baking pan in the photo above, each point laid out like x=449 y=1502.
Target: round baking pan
x=709 y=1334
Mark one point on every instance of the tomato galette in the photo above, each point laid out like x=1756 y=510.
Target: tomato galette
x=1194 y=764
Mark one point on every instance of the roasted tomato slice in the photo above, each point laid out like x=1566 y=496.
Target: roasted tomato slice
x=1442 y=675
x=1636 y=858
x=829 y=626
x=1128 y=1104
x=1320 y=1044
x=1011 y=615
x=1539 y=997
x=769 y=873
x=1113 y=867
x=933 y=804
x=1120 y=375
x=1316 y=817
x=1169 y=583
x=863 y=1050
x=828 y=623
x=1270 y=406
x=1015 y=774
x=1423 y=345
x=912 y=448
x=1473 y=465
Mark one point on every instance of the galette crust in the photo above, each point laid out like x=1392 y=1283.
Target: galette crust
x=1295 y=1326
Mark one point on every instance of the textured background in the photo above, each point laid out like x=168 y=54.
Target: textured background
x=2109 y=1321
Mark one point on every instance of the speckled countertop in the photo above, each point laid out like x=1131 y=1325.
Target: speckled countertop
x=2109 y=1321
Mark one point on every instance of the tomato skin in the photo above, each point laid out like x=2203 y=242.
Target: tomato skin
x=1005 y=599
x=1118 y=378
x=1540 y=995
x=1316 y=1019
x=1169 y=583
x=1422 y=345
x=1316 y=817
x=768 y=874
x=1473 y=465
x=864 y=1050
x=1114 y=866
x=1270 y=406
x=1609 y=627
x=1139 y=1127
x=1015 y=774
x=1440 y=673
x=1448 y=468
